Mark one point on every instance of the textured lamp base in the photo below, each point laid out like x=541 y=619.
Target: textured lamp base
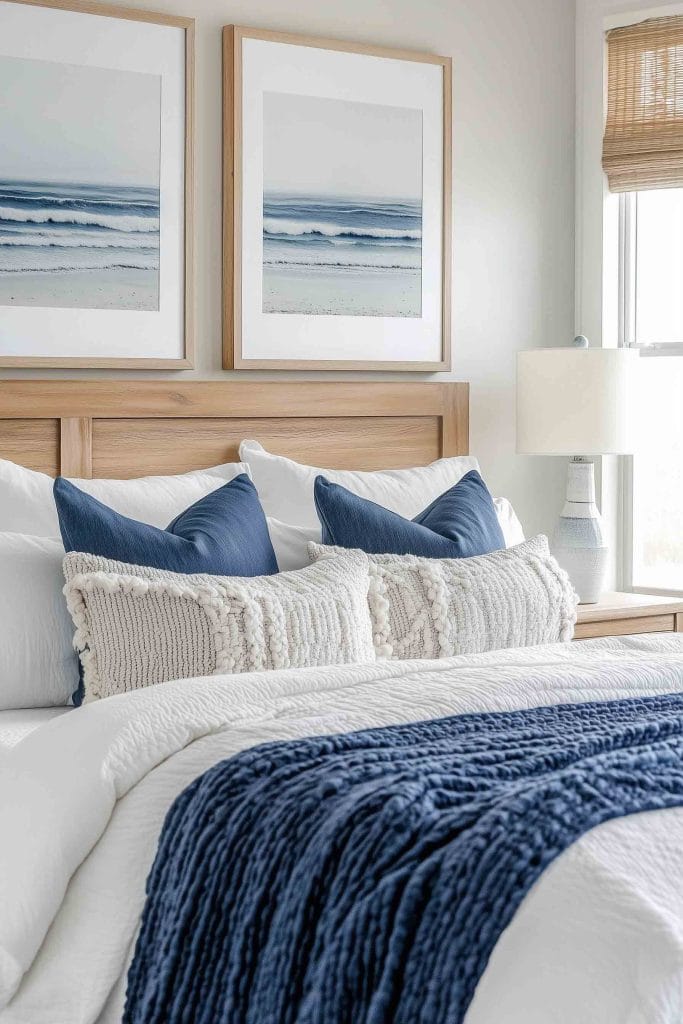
x=586 y=568
x=578 y=543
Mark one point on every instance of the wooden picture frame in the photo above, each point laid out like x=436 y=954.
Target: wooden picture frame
x=184 y=257
x=236 y=353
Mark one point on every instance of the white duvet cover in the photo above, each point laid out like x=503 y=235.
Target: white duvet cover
x=15 y=725
x=598 y=940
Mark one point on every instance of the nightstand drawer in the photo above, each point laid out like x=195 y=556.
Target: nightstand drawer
x=626 y=627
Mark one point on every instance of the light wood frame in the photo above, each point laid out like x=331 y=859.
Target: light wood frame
x=186 y=361
x=232 y=203
x=126 y=429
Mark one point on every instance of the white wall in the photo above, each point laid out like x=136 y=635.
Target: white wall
x=513 y=156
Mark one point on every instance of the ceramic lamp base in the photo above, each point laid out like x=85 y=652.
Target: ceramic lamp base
x=579 y=543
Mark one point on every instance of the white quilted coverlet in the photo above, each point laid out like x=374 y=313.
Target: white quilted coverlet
x=598 y=940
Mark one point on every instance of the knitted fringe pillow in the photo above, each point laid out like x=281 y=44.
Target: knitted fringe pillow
x=439 y=607
x=137 y=626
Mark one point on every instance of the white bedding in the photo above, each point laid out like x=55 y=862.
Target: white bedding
x=15 y=725
x=598 y=940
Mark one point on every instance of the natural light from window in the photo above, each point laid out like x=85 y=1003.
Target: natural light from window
x=659 y=267
x=658 y=478
x=657 y=318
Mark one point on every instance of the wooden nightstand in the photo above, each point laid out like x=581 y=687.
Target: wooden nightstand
x=621 y=614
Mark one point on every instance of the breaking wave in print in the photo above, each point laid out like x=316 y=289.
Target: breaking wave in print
x=60 y=227
x=296 y=229
x=326 y=231
x=335 y=254
x=120 y=222
x=75 y=241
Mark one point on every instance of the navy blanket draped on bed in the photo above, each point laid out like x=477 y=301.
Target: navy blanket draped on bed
x=365 y=878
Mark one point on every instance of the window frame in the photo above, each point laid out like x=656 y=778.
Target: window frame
x=626 y=327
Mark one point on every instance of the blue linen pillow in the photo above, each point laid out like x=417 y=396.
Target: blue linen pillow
x=224 y=533
x=460 y=523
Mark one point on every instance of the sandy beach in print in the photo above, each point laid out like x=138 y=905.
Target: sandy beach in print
x=342 y=208
x=110 y=288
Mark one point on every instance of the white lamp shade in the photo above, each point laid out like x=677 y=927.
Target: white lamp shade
x=575 y=401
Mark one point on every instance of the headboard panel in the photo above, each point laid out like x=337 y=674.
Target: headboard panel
x=33 y=443
x=124 y=429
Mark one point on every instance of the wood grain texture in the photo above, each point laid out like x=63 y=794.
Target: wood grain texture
x=186 y=361
x=76 y=363
x=134 y=447
x=625 y=627
x=615 y=605
x=233 y=357
x=325 y=43
x=232 y=144
x=32 y=443
x=110 y=11
x=447 y=214
x=75 y=446
x=230 y=398
x=621 y=614
x=456 y=420
x=126 y=429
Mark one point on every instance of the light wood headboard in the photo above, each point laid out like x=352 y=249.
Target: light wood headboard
x=123 y=429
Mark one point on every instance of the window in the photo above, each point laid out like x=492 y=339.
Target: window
x=642 y=156
x=651 y=318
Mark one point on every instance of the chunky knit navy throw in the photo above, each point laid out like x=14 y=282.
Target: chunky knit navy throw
x=365 y=878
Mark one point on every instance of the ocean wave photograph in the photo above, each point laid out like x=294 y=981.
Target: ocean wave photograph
x=88 y=237
x=341 y=236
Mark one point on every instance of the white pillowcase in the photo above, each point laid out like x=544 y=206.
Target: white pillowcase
x=290 y=543
x=285 y=488
x=509 y=523
x=38 y=665
x=27 y=505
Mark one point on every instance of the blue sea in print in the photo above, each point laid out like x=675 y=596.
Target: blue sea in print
x=51 y=233
x=342 y=255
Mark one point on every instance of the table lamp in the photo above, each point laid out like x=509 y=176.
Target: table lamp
x=576 y=401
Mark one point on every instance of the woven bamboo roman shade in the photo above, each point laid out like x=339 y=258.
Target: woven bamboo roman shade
x=643 y=143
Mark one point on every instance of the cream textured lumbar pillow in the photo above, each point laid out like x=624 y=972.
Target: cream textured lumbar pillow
x=439 y=607
x=137 y=626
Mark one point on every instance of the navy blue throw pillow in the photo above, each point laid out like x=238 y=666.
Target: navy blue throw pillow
x=224 y=534
x=460 y=523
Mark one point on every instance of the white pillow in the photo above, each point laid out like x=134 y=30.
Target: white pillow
x=440 y=607
x=290 y=543
x=285 y=488
x=509 y=523
x=27 y=505
x=138 y=626
x=38 y=665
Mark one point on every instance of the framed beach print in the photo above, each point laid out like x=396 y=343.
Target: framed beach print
x=95 y=186
x=336 y=210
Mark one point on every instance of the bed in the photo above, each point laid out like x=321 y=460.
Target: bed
x=16 y=724
x=83 y=797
